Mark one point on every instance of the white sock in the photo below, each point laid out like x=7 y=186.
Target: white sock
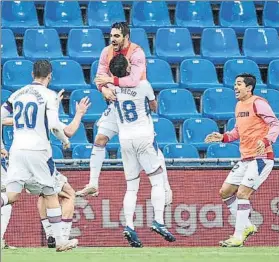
x=96 y=161
x=47 y=227
x=164 y=173
x=54 y=217
x=5 y=218
x=4 y=199
x=66 y=228
x=242 y=217
x=158 y=197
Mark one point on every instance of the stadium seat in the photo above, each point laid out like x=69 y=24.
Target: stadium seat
x=5 y=94
x=174 y=44
x=16 y=74
x=219 y=45
x=41 y=44
x=218 y=103
x=68 y=75
x=82 y=151
x=98 y=104
x=181 y=151
x=56 y=152
x=195 y=15
x=198 y=74
x=150 y=15
x=165 y=132
x=139 y=36
x=19 y=15
x=265 y=45
x=62 y=15
x=8 y=135
x=272 y=96
x=276 y=150
x=234 y=67
x=113 y=144
x=196 y=130
x=272 y=74
x=177 y=105
x=78 y=138
x=85 y=45
x=222 y=150
x=102 y=14
x=230 y=126
x=159 y=74
x=61 y=112
x=238 y=15
x=8 y=46
x=93 y=72
x=271 y=14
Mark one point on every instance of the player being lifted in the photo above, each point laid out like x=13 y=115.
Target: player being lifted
x=257 y=128
x=35 y=111
x=139 y=150
x=107 y=126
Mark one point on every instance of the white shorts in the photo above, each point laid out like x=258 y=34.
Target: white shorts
x=34 y=170
x=250 y=173
x=107 y=124
x=138 y=155
x=60 y=181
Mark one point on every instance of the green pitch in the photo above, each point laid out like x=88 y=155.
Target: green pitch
x=245 y=254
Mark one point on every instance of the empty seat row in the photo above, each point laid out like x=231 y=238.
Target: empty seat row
x=64 y=15
x=85 y=45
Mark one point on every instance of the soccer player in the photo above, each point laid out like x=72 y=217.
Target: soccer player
x=35 y=110
x=257 y=128
x=139 y=150
x=107 y=126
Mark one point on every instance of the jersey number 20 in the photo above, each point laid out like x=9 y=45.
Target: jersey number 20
x=29 y=114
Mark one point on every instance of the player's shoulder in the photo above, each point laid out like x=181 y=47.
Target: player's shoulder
x=144 y=84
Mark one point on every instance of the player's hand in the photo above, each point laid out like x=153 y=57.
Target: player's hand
x=66 y=145
x=4 y=153
x=60 y=95
x=260 y=147
x=214 y=137
x=102 y=80
x=109 y=94
x=83 y=105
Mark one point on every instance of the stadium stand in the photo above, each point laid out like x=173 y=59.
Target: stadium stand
x=273 y=76
x=5 y=94
x=8 y=46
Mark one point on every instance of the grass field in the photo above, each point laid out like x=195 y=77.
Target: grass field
x=245 y=254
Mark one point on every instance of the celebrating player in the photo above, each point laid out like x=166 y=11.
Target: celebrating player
x=139 y=150
x=257 y=128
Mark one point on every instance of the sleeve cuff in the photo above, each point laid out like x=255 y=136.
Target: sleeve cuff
x=116 y=81
x=225 y=138
x=267 y=143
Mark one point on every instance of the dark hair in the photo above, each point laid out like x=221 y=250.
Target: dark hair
x=42 y=68
x=249 y=80
x=118 y=65
x=123 y=27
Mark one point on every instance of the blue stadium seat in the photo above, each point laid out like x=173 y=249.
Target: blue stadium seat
x=264 y=47
x=238 y=15
x=165 y=132
x=272 y=96
x=68 y=75
x=113 y=144
x=102 y=14
x=198 y=74
x=271 y=14
x=5 y=94
x=174 y=44
x=150 y=15
x=276 y=150
x=98 y=104
x=56 y=152
x=196 y=130
x=8 y=135
x=85 y=45
x=139 y=36
x=219 y=45
x=230 y=126
x=195 y=15
x=82 y=151
x=272 y=74
x=93 y=72
x=19 y=15
x=213 y=107
x=159 y=74
x=222 y=150
x=177 y=104
x=8 y=46
x=78 y=138
x=181 y=151
x=234 y=67
x=41 y=44
x=12 y=69
x=62 y=15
